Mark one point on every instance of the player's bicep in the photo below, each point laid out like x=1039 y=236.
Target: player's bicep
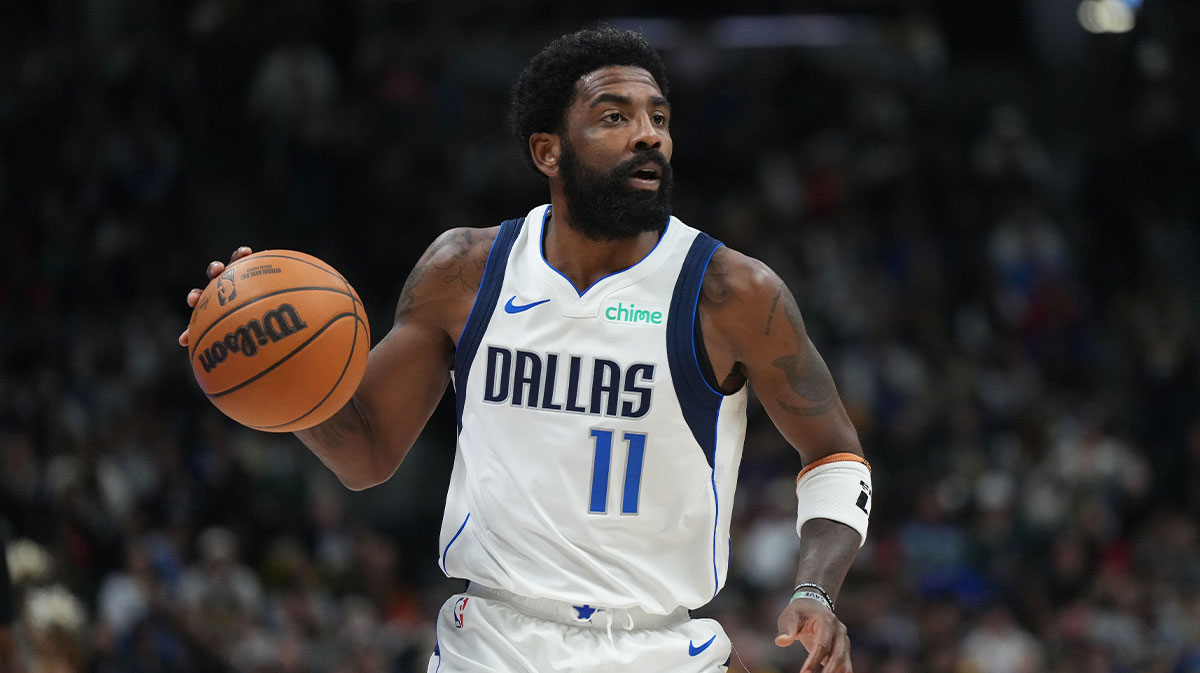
x=407 y=373
x=408 y=370
x=787 y=365
x=788 y=374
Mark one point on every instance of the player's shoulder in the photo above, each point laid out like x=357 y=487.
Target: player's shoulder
x=443 y=283
x=461 y=244
x=733 y=277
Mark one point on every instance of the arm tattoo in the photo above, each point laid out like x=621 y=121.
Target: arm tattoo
x=342 y=425
x=458 y=266
x=405 y=305
x=774 y=305
x=453 y=258
x=811 y=382
x=468 y=273
x=715 y=285
x=806 y=372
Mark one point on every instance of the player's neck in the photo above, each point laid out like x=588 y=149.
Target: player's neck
x=584 y=260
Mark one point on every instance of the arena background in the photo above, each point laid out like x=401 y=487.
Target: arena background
x=988 y=212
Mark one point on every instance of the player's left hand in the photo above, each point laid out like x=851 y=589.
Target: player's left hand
x=820 y=632
x=215 y=268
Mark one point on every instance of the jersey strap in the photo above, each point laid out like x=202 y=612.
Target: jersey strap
x=699 y=401
x=481 y=312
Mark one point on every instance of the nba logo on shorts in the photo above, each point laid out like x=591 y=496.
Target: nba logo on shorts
x=460 y=609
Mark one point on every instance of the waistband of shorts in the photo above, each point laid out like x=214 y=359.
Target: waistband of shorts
x=580 y=615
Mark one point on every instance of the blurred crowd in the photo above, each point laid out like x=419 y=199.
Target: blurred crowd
x=995 y=251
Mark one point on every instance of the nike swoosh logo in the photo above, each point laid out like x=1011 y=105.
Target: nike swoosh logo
x=693 y=650
x=510 y=307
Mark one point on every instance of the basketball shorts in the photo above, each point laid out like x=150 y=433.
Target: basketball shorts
x=493 y=631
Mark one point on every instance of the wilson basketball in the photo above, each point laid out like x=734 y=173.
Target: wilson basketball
x=279 y=341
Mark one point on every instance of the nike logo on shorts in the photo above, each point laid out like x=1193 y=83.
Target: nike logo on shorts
x=511 y=307
x=693 y=650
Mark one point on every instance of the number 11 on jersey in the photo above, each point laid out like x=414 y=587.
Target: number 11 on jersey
x=633 y=471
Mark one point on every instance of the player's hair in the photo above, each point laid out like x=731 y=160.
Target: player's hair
x=546 y=87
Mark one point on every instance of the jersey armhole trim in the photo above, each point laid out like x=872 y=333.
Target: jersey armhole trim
x=482 y=309
x=698 y=399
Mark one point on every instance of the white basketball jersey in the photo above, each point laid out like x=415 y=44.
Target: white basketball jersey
x=595 y=465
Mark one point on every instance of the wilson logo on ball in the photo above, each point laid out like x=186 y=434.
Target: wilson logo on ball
x=276 y=325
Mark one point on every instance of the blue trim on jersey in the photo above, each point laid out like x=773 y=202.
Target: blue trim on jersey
x=452 y=540
x=437 y=644
x=482 y=309
x=699 y=401
x=542 y=249
x=716 y=509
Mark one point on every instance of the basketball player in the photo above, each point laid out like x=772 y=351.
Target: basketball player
x=601 y=352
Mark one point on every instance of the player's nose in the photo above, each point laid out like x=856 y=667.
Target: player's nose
x=646 y=134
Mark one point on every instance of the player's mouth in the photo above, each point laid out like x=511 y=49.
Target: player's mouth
x=646 y=176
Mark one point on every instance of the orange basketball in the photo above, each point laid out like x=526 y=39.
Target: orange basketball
x=279 y=341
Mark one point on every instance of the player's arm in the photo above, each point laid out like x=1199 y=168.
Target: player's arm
x=408 y=370
x=753 y=330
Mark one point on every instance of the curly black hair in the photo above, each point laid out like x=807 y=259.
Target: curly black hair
x=546 y=87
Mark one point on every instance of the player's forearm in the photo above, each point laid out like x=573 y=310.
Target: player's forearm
x=348 y=446
x=827 y=549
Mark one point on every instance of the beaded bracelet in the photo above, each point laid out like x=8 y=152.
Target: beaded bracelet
x=813 y=591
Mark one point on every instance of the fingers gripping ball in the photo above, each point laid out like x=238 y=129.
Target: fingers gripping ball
x=279 y=341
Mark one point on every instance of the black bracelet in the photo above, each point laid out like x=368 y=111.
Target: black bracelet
x=813 y=591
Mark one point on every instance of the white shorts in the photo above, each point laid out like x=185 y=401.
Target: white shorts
x=487 y=630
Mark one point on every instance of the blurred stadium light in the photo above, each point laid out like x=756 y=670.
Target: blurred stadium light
x=1108 y=16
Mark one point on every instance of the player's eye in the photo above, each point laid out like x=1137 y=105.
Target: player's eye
x=659 y=118
x=613 y=117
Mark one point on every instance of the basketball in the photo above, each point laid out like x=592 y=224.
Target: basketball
x=279 y=341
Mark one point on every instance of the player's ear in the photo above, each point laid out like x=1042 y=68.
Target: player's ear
x=546 y=150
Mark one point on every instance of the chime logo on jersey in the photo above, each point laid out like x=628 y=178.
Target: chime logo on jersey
x=571 y=383
x=460 y=612
x=633 y=314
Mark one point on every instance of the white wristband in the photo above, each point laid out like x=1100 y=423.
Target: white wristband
x=837 y=487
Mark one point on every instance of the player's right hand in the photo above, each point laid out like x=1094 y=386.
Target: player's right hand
x=215 y=268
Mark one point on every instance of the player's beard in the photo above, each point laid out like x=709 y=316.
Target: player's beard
x=604 y=207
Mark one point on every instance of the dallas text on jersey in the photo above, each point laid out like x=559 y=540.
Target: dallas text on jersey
x=528 y=379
